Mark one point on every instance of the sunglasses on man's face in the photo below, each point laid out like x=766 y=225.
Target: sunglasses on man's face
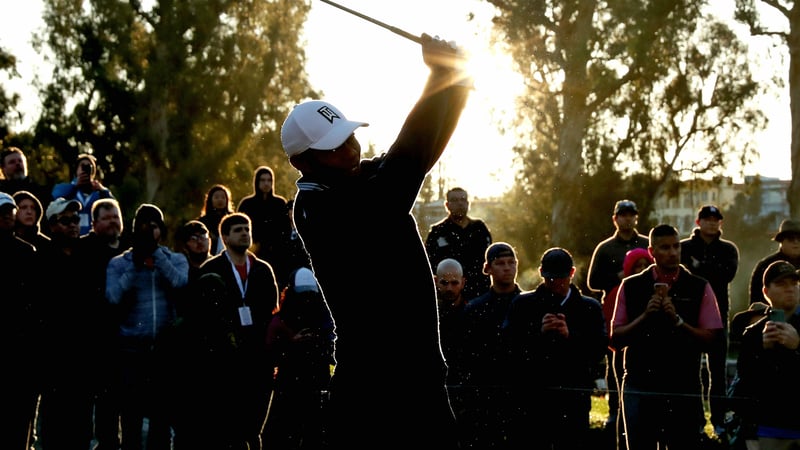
x=69 y=220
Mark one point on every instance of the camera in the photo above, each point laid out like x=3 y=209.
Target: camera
x=86 y=167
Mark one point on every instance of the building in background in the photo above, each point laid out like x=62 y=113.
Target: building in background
x=757 y=198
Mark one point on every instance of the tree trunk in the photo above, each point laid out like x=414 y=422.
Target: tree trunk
x=568 y=184
x=793 y=194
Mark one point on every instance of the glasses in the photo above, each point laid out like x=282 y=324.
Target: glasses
x=69 y=220
x=198 y=237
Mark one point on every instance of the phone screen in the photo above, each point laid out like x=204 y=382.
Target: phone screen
x=777 y=315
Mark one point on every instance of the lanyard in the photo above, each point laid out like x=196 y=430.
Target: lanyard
x=242 y=286
x=81 y=197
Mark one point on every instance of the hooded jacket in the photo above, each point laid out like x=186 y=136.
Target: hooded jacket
x=144 y=295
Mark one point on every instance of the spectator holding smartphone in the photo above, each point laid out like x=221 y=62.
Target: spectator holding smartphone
x=770 y=355
x=663 y=334
x=558 y=338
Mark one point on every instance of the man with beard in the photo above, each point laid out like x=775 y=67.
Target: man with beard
x=104 y=242
x=462 y=238
x=14 y=166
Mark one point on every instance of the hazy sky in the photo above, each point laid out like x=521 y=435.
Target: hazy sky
x=374 y=75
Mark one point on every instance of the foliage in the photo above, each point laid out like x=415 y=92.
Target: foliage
x=617 y=94
x=751 y=234
x=786 y=33
x=175 y=98
x=8 y=101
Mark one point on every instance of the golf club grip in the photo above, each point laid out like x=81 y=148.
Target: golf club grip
x=395 y=30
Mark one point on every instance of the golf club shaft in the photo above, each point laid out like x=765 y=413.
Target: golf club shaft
x=395 y=30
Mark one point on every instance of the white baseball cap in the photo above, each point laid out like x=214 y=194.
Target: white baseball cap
x=304 y=281
x=315 y=124
x=6 y=199
x=60 y=205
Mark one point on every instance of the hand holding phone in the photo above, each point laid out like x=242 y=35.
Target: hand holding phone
x=772 y=334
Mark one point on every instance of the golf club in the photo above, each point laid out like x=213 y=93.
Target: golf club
x=395 y=30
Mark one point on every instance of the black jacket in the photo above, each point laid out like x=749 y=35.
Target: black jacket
x=370 y=261
x=467 y=245
x=717 y=262
x=487 y=357
x=548 y=359
x=767 y=377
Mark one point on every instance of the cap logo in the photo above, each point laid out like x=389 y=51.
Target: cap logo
x=328 y=113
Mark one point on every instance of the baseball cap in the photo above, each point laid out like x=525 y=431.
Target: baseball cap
x=779 y=269
x=315 y=124
x=188 y=229
x=6 y=199
x=304 y=281
x=499 y=250
x=709 y=211
x=623 y=206
x=556 y=263
x=60 y=205
x=787 y=227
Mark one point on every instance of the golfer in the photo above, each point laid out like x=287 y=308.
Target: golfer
x=354 y=216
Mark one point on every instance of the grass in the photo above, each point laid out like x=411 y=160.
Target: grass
x=599 y=414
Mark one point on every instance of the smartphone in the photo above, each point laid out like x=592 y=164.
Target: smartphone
x=661 y=288
x=777 y=315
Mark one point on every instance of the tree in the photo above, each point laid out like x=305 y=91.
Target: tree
x=752 y=233
x=747 y=12
x=8 y=101
x=621 y=97
x=174 y=98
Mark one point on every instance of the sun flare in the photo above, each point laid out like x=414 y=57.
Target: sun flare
x=376 y=76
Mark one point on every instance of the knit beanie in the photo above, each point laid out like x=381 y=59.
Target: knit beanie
x=147 y=213
x=632 y=256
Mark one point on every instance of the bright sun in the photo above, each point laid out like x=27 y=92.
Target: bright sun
x=374 y=75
